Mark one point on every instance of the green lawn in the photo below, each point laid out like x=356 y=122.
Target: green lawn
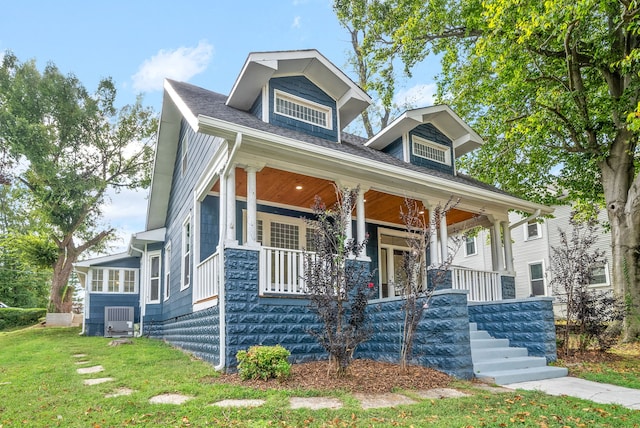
x=39 y=387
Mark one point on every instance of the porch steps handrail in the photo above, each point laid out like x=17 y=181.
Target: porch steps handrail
x=282 y=271
x=483 y=286
x=208 y=278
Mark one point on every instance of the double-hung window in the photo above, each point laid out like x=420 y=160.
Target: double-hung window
x=532 y=230
x=470 y=246
x=154 y=278
x=536 y=276
x=186 y=254
x=167 y=271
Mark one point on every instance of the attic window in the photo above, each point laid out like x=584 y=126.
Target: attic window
x=429 y=150
x=306 y=111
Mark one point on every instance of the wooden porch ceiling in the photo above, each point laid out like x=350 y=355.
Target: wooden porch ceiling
x=288 y=188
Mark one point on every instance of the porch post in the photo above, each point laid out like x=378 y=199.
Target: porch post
x=252 y=207
x=433 y=244
x=360 y=222
x=231 y=207
x=496 y=247
x=444 y=238
x=508 y=250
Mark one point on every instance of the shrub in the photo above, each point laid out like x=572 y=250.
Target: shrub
x=17 y=317
x=264 y=362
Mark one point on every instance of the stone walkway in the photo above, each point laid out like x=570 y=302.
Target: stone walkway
x=367 y=401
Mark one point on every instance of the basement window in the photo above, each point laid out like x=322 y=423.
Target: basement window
x=303 y=110
x=430 y=150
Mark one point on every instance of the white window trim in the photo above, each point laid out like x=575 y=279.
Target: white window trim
x=328 y=111
x=475 y=247
x=105 y=280
x=183 y=154
x=526 y=231
x=436 y=146
x=183 y=285
x=607 y=282
x=544 y=276
x=167 y=271
x=150 y=255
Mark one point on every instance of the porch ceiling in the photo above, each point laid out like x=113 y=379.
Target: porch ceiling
x=278 y=186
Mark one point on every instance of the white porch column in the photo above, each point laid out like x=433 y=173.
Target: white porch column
x=496 y=247
x=444 y=238
x=508 y=249
x=252 y=207
x=433 y=244
x=230 y=235
x=360 y=222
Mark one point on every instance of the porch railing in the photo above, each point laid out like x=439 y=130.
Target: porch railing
x=281 y=271
x=482 y=286
x=207 y=278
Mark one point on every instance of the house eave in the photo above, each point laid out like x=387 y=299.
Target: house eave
x=358 y=165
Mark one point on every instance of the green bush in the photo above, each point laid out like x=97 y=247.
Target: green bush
x=17 y=317
x=264 y=362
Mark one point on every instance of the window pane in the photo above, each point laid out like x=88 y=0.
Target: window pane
x=598 y=275
x=96 y=282
x=537 y=287
x=187 y=270
x=536 y=271
x=129 y=281
x=155 y=290
x=155 y=266
x=285 y=236
x=532 y=230
x=471 y=246
x=114 y=281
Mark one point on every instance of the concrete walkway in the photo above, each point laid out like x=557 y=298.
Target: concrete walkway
x=585 y=389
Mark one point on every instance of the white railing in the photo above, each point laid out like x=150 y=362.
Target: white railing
x=281 y=271
x=207 y=278
x=482 y=286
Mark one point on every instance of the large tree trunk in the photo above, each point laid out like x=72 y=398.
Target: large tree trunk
x=622 y=196
x=61 y=292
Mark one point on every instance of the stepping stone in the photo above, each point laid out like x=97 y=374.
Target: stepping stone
x=97 y=380
x=79 y=363
x=169 y=399
x=119 y=393
x=79 y=355
x=239 y=403
x=315 y=403
x=375 y=401
x=90 y=370
x=441 y=393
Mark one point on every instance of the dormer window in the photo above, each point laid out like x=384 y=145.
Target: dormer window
x=430 y=150
x=306 y=111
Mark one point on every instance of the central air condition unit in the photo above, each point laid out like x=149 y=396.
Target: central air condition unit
x=118 y=321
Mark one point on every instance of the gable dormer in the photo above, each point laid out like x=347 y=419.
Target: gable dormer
x=432 y=137
x=299 y=90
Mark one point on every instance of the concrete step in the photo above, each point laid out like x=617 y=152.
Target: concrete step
x=505 y=377
x=479 y=334
x=489 y=343
x=473 y=326
x=508 y=364
x=478 y=355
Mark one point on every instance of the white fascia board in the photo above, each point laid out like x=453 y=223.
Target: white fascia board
x=367 y=165
x=180 y=104
x=155 y=235
x=103 y=259
x=403 y=123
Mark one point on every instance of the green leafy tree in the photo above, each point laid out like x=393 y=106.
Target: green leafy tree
x=553 y=86
x=72 y=146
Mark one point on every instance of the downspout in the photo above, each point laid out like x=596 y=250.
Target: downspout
x=131 y=247
x=221 y=240
x=533 y=216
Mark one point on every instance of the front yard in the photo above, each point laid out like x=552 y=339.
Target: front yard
x=40 y=386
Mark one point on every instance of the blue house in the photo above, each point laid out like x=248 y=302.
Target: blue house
x=218 y=268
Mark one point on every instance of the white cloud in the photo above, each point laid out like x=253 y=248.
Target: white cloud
x=179 y=64
x=296 y=22
x=421 y=95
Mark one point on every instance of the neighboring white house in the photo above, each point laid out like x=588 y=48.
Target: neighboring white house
x=532 y=251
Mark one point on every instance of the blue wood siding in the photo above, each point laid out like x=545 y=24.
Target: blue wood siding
x=430 y=132
x=209 y=226
x=395 y=149
x=302 y=87
x=200 y=149
x=256 y=108
x=94 y=325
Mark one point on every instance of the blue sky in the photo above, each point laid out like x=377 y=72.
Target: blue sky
x=139 y=43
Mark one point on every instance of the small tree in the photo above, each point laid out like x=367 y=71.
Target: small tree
x=338 y=287
x=586 y=311
x=418 y=279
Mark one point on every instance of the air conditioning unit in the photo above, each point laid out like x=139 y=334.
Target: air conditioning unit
x=118 y=321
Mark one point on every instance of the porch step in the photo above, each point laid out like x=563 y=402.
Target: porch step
x=496 y=362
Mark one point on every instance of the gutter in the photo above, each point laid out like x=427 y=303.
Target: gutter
x=131 y=247
x=533 y=216
x=84 y=309
x=221 y=239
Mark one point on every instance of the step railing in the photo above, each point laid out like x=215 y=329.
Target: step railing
x=482 y=286
x=207 y=278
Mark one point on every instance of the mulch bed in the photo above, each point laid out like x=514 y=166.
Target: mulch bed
x=365 y=376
